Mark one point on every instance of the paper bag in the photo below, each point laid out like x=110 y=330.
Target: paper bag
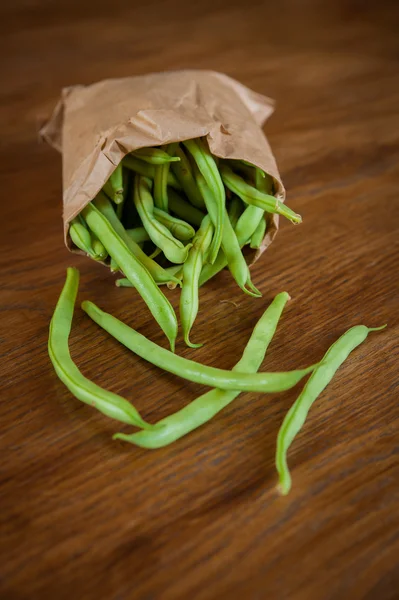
x=95 y=126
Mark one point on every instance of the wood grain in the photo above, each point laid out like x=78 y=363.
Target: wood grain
x=83 y=516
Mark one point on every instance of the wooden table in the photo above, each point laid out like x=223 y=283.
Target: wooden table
x=86 y=517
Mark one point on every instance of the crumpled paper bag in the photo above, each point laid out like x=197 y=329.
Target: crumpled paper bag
x=95 y=126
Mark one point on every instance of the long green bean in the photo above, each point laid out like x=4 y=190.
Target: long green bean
x=206 y=406
x=106 y=402
x=251 y=195
x=102 y=203
x=246 y=226
x=188 y=369
x=319 y=379
x=173 y=249
x=211 y=186
x=135 y=271
x=189 y=300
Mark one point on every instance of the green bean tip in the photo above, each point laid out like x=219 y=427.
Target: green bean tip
x=378 y=328
x=283 y=487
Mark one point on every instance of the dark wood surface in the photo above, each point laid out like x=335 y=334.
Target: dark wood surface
x=85 y=517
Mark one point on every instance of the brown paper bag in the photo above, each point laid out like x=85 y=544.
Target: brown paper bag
x=95 y=126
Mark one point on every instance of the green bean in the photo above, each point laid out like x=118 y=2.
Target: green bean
x=138 y=235
x=211 y=186
x=189 y=300
x=184 y=210
x=174 y=271
x=81 y=237
x=154 y=156
x=161 y=182
x=320 y=378
x=113 y=265
x=159 y=234
x=248 y=223
x=161 y=186
x=178 y=228
x=244 y=229
x=102 y=203
x=142 y=168
x=114 y=186
x=206 y=406
x=98 y=249
x=82 y=388
x=135 y=271
x=171 y=285
x=230 y=253
x=236 y=261
x=254 y=197
x=258 y=235
x=188 y=369
x=254 y=220
x=183 y=172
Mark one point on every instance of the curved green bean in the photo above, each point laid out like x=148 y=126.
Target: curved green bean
x=173 y=249
x=179 y=229
x=211 y=186
x=183 y=172
x=320 y=378
x=142 y=168
x=230 y=253
x=154 y=156
x=188 y=369
x=135 y=271
x=251 y=195
x=106 y=402
x=184 y=210
x=236 y=261
x=244 y=229
x=102 y=203
x=189 y=300
x=206 y=406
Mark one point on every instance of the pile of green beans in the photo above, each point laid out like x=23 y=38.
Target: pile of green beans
x=176 y=216
x=226 y=384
